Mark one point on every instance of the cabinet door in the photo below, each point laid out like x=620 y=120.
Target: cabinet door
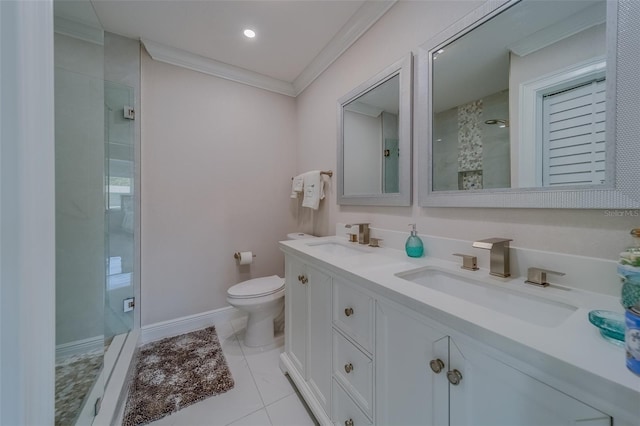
x=296 y=314
x=491 y=393
x=407 y=390
x=319 y=332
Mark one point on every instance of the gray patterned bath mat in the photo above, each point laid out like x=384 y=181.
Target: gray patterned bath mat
x=176 y=372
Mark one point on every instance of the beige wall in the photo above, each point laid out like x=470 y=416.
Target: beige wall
x=217 y=161
x=406 y=26
x=217 y=158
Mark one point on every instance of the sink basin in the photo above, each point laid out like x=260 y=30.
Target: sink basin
x=338 y=249
x=521 y=305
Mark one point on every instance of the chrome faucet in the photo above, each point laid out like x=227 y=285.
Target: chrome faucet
x=363 y=232
x=499 y=257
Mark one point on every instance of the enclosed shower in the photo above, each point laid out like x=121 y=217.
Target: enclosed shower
x=97 y=247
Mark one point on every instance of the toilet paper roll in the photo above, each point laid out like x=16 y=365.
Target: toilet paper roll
x=246 y=257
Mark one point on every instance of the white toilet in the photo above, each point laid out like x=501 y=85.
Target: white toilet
x=263 y=299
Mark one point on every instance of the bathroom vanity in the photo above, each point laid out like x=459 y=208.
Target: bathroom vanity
x=374 y=337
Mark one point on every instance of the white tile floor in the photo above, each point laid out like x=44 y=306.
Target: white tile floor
x=262 y=395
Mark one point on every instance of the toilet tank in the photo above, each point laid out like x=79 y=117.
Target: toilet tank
x=299 y=236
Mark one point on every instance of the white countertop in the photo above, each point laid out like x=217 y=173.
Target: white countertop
x=572 y=353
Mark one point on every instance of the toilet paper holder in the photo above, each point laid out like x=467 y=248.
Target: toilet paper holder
x=237 y=256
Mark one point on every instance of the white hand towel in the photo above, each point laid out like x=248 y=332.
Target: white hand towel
x=296 y=186
x=313 y=189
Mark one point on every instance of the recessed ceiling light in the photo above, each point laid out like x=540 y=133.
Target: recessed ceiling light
x=249 y=33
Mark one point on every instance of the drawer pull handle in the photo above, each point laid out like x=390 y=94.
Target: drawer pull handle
x=303 y=279
x=436 y=365
x=348 y=422
x=454 y=377
x=348 y=368
x=348 y=312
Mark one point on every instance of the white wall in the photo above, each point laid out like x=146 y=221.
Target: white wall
x=27 y=214
x=217 y=158
x=407 y=25
x=217 y=161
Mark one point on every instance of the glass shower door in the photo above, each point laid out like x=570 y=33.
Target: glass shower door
x=119 y=166
x=80 y=227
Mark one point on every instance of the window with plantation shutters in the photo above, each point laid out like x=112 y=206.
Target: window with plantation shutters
x=574 y=135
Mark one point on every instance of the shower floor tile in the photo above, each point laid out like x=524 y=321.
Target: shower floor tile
x=75 y=375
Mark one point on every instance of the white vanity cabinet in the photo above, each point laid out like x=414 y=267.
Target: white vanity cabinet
x=308 y=327
x=407 y=391
x=353 y=348
x=425 y=377
x=491 y=392
x=296 y=314
x=360 y=357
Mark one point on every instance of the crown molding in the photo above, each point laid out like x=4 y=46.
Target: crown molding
x=590 y=17
x=367 y=15
x=78 y=30
x=182 y=58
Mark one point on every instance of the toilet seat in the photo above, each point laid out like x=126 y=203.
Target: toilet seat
x=257 y=287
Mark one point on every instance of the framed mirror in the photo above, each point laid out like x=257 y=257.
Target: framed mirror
x=527 y=103
x=374 y=139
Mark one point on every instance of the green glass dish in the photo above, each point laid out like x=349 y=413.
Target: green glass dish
x=611 y=325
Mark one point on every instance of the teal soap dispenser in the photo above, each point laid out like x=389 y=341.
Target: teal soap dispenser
x=414 y=246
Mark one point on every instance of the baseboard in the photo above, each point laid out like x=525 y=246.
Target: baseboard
x=161 y=330
x=79 y=346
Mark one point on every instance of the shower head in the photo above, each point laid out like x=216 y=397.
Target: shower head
x=502 y=123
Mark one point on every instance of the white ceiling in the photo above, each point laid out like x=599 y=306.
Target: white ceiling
x=290 y=34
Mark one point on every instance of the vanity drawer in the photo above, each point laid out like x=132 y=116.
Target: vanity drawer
x=345 y=411
x=353 y=313
x=354 y=370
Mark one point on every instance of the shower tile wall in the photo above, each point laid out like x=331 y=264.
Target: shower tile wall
x=80 y=228
x=391 y=178
x=496 y=153
x=80 y=267
x=445 y=150
x=471 y=154
x=470 y=145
